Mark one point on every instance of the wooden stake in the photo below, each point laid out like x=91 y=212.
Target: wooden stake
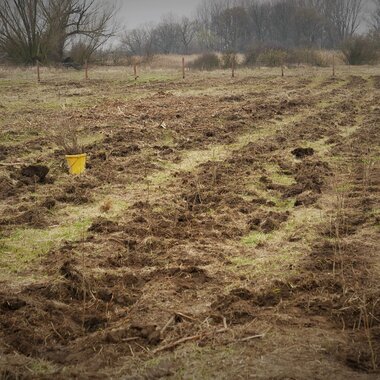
x=86 y=69
x=135 y=70
x=282 y=71
x=233 y=66
x=183 y=68
x=333 y=65
x=38 y=71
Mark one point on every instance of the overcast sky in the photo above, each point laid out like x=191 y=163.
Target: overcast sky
x=136 y=12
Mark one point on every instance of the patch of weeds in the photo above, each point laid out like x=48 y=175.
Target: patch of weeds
x=167 y=138
x=24 y=246
x=320 y=146
x=196 y=362
x=255 y=239
x=274 y=173
x=20 y=136
x=280 y=265
x=155 y=77
x=271 y=196
x=41 y=367
x=90 y=139
x=253 y=135
x=284 y=204
x=162 y=176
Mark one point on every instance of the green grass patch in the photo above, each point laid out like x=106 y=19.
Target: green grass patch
x=255 y=238
x=278 y=265
x=274 y=173
x=41 y=368
x=26 y=245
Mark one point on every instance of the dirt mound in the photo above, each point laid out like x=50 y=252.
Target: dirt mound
x=7 y=188
x=302 y=152
x=267 y=221
x=310 y=175
x=241 y=305
x=102 y=225
x=34 y=173
x=34 y=217
x=306 y=198
x=77 y=191
x=3 y=152
x=376 y=81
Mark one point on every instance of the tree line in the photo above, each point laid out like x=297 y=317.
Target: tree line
x=237 y=25
x=47 y=30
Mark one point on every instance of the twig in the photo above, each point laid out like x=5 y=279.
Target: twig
x=185 y=316
x=251 y=337
x=130 y=339
x=187 y=339
x=130 y=349
x=56 y=331
x=13 y=164
x=143 y=348
x=178 y=342
x=170 y=321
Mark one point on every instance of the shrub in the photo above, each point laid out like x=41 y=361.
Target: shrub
x=80 y=52
x=252 y=55
x=228 y=59
x=207 y=61
x=275 y=56
x=272 y=57
x=308 y=57
x=360 y=50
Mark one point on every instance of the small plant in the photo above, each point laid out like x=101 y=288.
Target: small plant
x=67 y=139
x=106 y=206
x=207 y=61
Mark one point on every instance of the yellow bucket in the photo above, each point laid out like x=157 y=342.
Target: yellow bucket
x=76 y=163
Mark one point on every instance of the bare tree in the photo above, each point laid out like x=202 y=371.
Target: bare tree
x=140 y=41
x=20 y=29
x=232 y=27
x=375 y=21
x=308 y=27
x=208 y=12
x=259 y=19
x=282 y=22
x=186 y=33
x=167 y=34
x=41 y=29
x=343 y=19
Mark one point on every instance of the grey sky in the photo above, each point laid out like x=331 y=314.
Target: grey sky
x=136 y=12
x=133 y=13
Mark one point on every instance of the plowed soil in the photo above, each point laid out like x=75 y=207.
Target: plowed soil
x=224 y=229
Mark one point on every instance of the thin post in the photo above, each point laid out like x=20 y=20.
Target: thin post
x=233 y=66
x=333 y=65
x=38 y=71
x=183 y=68
x=86 y=69
x=135 y=70
x=282 y=71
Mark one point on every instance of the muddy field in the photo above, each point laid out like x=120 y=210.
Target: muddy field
x=225 y=228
